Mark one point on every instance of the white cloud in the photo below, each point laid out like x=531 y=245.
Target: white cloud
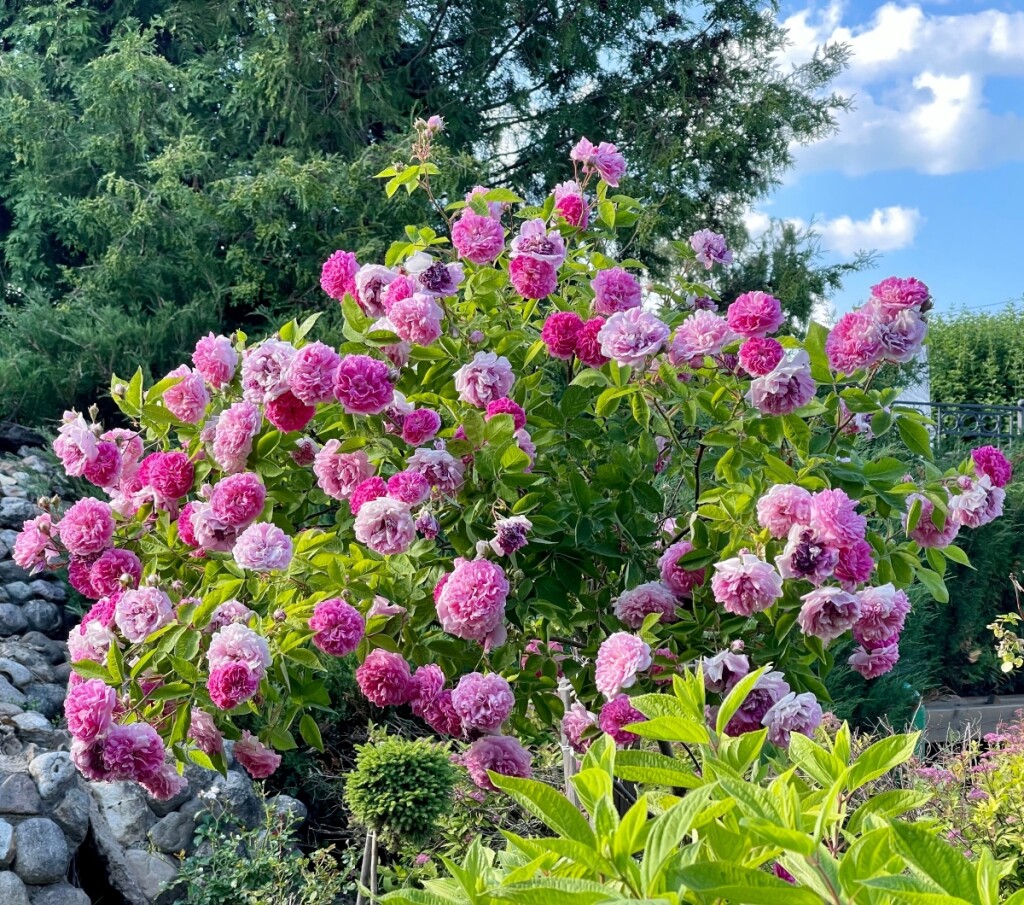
x=918 y=82
x=886 y=229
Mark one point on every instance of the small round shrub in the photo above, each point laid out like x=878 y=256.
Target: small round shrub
x=400 y=787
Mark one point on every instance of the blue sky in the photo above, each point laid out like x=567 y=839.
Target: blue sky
x=929 y=167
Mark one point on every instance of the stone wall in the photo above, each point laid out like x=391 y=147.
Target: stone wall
x=65 y=841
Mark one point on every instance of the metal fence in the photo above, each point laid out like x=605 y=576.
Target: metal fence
x=954 y=421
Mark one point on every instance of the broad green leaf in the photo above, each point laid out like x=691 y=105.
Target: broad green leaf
x=936 y=860
x=671 y=729
x=548 y=805
x=743 y=886
x=636 y=765
x=915 y=435
x=887 y=804
x=736 y=697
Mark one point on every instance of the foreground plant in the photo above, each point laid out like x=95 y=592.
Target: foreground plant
x=751 y=824
x=517 y=462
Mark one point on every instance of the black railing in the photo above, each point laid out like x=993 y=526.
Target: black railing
x=966 y=422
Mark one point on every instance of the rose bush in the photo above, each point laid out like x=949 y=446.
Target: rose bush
x=517 y=463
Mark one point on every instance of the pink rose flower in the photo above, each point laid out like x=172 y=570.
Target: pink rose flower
x=141 y=611
x=204 y=732
x=366 y=491
x=233 y=434
x=506 y=406
x=384 y=679
x=89 y=707
x=770 y=688
x=165 y=784
x=372 y=280
x=785 y=389
x=761 y=355
x=571 y=204
x=115 y=570
x=478 y=239
x=238 y=499
x=631 y=337
x=634 y=605
x=263 y=547
x=575 y=724
x=75 y=445
x=86 y=528
x=257 y=760
x=90 y=642
x=605 y=160
x=792 y=713
x=702 y=333
x=710 y=248
x=991 y=463
x=338 y=474
x=901 y=335
x=617 y=713
x=828 y=612
x=216 y=360
x=420 y=426
x=926 y=532
x=310 y=375
x=400 y=288
x=237 y=643
x=620 y=658
x=755 y=314
x=264 y=370
x=428 y=684
x=977 y=504
x=808 y=556
x=34 y=549
x=486 y=378
x=745 y=584
x=680 y=580
x=386 y=526
x=834 y=516
x=724 y=670
x=482 y=702
x=883 y=611
x=896 y=294
x=532 y=278
x=207 y=533
x=560 y=332
x=338 y=275
x=856 y=563
x=510 y=534
x=408 y=487
x=855 y=342
x=417 y=319
x=615 y=290
x=500 y=754
x=188 y=398
x=782 y=507
x=471 y=601
x=231 y=684
x=588 y=343
x=434 y=277
x=230 y=612
x=441 y=469
x=134 y=752
x=105 y=470
x=875 y=662
x=362 y=385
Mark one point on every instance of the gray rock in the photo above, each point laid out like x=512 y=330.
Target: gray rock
x=8 y=710
x=42 y=853
x=12 y=619
x=11 y=571
x=14 y=512
x=291 y=808
x=18 y=795
x=152 y=873
x=71 y=814
x=6 y=844
x=12 y=890
x=237 y=794
x=122 y=806
x=173 y=833
x=8 y=536
x=54 y=591
x=60 y=674
x=4 y=596
x=14 y=672
x=59 y=894
x=35 y=729
x=43 y=616
x=18 y=591
x=47 y=698
x=52 y=651
x=53 y=772
x=9 y=694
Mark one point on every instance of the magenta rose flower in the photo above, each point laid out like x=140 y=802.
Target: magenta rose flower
x=634 y=605
x=216 y=360
x=828 y=612
x=471 y=601
x=479 y=239
x=238 y=499
x=615 y=290
x=257 y=759
x=680 y=580
x=620 y=659
x=483 y=702
x=500 y=754
x=617 y=713
x=310 y=376
x=362 y=385
x=745 y=584
x=755 y=314
x=384 y=678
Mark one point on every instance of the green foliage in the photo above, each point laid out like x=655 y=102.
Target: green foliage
x=171 y=167
x=977 y=356
x=255 y=866
x=748 y=808
x=400 y=787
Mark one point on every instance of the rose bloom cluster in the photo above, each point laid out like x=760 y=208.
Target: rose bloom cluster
x=390 y=471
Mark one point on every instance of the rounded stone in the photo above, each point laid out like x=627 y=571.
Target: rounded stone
x=41 y=851
x=53 y=591
x=14 y=512
x=153 y=874
x=122 y=805
x=12 y=619
x=47 y=698
x=18 y=591
x=173 y=833
x=18 y=795
x=71 y=813
x=59 y=894
x=12 y=890
x=291 y=808
x=53 y=772
x=42 y=616
x=6 y=844
x=17 y=674
x=34 y=728
x=11 y=571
